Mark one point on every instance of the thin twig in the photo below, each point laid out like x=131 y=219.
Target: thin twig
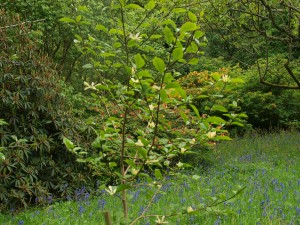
x=15 y=25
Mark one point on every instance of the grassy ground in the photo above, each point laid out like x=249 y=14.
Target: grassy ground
x=267 y=165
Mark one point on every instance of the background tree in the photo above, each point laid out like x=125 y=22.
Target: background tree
x=253 y=31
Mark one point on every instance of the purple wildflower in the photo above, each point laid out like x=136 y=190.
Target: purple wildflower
x=81 y=210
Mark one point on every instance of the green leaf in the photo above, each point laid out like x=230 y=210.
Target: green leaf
x=168 y=35
x=195 y=110
x=198 y=34
x=78 y=18
x=192 y=16
x=201 y=96
x=97 y=143
x=69 y=144
x=87 y=66
x=117 y=65
x=131 y=163
x=144 y=74
x=82 y=8
x=139 y=61
x=156 y=36
x=175 y=85
x=2 y=122
x=122 y=187
x=177 y=88
x=122 y=3
x=117 y=45
x=100 y=27
x=222 y=196
x=177 y=54
x=193 y=61
x=216 y=76
x=78 y=37
x=163 y=95
x=150 y=5
x=112 y=31
x=184 y=117
x=112 y=164
x=193 y=48
x=223 y=138
x=215 y=120
x=219 y=108
x=158 y=174
x=102 y=87
x=133 y=6
x=67 y=20
x=2 y=157
x=168 y=78
x=159 y=64
x=237 y=80
x=243 y=115
x=179 y=10
x=188 y=26
x=169 y=22
x=237 y=123
x=142 y=152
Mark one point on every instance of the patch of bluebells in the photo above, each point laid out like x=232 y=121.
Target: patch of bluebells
x=101 y=204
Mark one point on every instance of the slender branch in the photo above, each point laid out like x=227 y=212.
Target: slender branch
x=272 y=19
x=147 y=207
x=215 y=203
x=286 y=66
x=18 y=24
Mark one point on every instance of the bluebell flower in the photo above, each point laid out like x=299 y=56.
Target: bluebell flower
x=218 y=221
x=50 y=199
x=142 y=208
x=86 y=196
x=136 y=196
x=101 y=203
x=81 y=210
x=21 y=222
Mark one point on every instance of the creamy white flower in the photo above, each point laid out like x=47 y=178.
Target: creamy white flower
x=151 y=124
x=211 y=134
x=225 y=78
x=151 y=107
x=134 y=80
x=111 y=190
x=192 y=141
x=133 y=70
x=135 y=36
x=180 y=164
x=139 y=143
x=134 y=171
x=89 y=86
x=189 y=209
x=183 y=150
x=161 y=220
x=156 y=87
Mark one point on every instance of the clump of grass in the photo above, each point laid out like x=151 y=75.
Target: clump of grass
x=267 y=165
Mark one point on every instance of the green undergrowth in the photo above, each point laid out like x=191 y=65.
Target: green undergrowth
x=266 y=165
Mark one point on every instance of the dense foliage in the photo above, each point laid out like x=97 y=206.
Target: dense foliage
x=36 y=166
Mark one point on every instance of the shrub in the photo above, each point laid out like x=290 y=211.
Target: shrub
x=212 y=97
x=36 y=165
x=270 y=107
